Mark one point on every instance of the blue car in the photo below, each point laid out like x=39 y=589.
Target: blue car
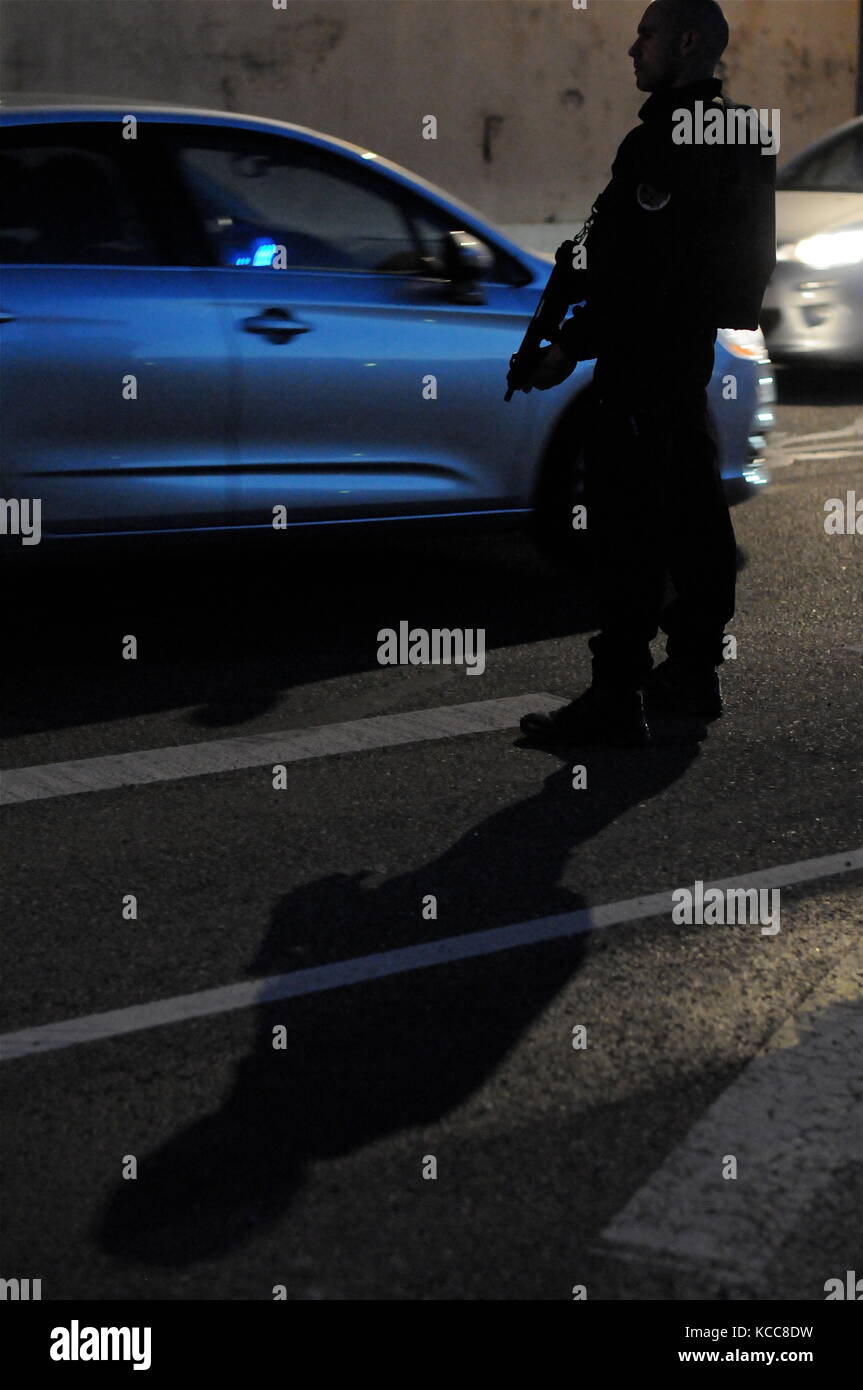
x=211 y=321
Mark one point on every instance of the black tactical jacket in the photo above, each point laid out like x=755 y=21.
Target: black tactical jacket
x=681 y=240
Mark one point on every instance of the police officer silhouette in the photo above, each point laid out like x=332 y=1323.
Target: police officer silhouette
x=680 y=243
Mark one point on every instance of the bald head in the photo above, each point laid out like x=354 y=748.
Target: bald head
x=678 y=41
x=702 y=18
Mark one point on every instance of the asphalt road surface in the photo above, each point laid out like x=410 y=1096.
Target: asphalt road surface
x=418 y=1022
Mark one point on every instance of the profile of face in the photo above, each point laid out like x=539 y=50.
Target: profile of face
x=660 y=52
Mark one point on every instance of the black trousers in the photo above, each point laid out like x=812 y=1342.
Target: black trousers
x=656 y=510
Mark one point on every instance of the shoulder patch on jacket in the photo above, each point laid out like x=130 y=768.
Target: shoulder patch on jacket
x=650 y=198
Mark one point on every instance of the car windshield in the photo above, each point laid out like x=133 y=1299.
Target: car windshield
x=835 y=167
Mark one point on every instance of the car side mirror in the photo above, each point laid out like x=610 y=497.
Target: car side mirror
x=465 y=259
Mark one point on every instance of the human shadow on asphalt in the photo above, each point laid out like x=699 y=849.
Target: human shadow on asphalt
x=366 y=1061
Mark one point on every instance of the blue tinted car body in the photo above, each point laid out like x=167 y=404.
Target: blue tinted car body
x=232 y=320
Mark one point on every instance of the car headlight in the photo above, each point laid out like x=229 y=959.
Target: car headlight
x=830 y=249
x=744 y=342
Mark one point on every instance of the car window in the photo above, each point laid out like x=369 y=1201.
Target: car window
x=837 y=167
x=258 y=194
x=67 y=204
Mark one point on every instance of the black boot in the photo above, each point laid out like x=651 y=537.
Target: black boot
x=602 y=715
x=678 y=688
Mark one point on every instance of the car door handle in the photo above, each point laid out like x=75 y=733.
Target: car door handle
x=6 y=318
x=275 y=324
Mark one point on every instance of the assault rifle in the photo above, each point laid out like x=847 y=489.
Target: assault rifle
x=565 y=286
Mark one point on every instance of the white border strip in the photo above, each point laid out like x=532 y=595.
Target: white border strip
x=97 y=1027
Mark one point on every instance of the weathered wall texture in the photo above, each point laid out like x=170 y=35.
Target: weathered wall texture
x=531 y=96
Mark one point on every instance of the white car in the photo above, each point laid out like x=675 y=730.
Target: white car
x=813 y=308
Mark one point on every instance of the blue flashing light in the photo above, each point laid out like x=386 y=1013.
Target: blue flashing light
x=261 y=256
x=264 y=253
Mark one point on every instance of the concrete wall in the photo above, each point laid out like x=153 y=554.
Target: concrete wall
x=531 y=96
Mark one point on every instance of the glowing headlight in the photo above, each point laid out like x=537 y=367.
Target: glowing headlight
x=829 y=249
x=744 y=342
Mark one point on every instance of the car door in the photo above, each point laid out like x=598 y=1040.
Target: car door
x=116 y=396
x=366 y=390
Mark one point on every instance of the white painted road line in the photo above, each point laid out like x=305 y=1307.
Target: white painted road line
x=260 y=750
x=30 y=1042
x=786 y=449
x=792 y=1120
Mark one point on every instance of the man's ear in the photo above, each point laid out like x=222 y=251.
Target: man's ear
x=688 y=42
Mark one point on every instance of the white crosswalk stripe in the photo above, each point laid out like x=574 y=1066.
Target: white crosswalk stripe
x=792 y=1120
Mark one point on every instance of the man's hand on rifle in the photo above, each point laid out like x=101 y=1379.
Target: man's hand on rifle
x=553 y=367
